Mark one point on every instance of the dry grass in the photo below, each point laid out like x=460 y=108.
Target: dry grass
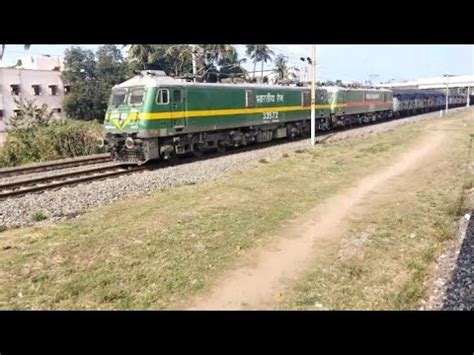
x=387 y=257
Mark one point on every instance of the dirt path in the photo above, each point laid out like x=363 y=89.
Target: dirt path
x=261 y=284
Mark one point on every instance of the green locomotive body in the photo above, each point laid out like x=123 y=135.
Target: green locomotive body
x=153 y=116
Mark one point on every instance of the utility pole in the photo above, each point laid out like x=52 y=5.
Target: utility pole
x=447 y=91
x=193 y=55
x=313 y=97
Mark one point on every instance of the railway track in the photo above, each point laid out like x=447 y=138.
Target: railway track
x=44 y=183
x=33 y=185
x=55 y=165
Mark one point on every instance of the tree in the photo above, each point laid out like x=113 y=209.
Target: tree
x=209 y=58
x=29 y=115
x=176 y=59
x=281 y=69
x=111 y=69
x=141 y=54
x=231 y=65
x=91 y=77
x=259 y=53
x=250 y=51
x=2 y=49
x=80 y=73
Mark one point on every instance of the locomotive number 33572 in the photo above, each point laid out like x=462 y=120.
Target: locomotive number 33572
x=270 y=115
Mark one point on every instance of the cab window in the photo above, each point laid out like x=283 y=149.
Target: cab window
x=118 y=97
x=162 y=97
x=136 y=96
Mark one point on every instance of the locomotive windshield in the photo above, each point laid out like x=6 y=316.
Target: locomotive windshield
x=118 y=97
x=136 y=96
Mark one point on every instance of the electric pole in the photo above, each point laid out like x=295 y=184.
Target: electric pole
x=313 y=97
x=447 y=91
x=193 y=55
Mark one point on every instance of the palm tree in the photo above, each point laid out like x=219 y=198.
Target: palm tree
x=217 y=52
x=250 y=51
x=2 y=49
x=209 y=56
x=259 y=53
x=179 y=58
x=281 y=69
x=231 y=65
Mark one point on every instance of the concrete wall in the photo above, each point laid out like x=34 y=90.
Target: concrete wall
x=26 y=79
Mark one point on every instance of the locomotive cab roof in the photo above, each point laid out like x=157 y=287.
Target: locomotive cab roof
x=155 y=78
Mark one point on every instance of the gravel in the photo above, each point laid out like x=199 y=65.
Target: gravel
x=460 y=292
x=453 y=285
x=71 y=201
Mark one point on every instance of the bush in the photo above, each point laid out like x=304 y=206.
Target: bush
x=57 y=139
x=39 y=216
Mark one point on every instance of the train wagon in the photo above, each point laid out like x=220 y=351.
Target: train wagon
x=153 y=116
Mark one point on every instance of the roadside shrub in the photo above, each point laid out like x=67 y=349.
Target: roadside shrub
x=58 y=139
x=39 y=215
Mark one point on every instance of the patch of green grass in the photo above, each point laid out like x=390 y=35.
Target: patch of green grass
x=153 y=252
x=285 y=155
x=263 y=161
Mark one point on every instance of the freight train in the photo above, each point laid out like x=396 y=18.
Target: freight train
x=153 y=116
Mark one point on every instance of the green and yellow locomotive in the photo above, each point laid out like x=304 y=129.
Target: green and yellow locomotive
x=153 y=116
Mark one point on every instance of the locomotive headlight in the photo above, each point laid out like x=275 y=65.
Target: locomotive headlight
x=129 y=143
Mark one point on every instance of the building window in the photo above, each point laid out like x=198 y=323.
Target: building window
x=249 y=98
x=162 y=97
x=36 y=89
x=58 y=110
x=1 y=115
x=53 y=90
x=67 y=89
x=15 y=89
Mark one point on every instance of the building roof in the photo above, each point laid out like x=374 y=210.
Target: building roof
x=435 y=82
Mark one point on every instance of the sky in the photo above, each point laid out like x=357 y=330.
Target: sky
x=344 y=62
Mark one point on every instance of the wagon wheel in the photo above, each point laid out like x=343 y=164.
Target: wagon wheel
x=221 y=148
x=197 y=150
x=172 y=158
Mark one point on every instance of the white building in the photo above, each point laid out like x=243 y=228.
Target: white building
x=440 y=82
x=43 y=62
x=42 y=86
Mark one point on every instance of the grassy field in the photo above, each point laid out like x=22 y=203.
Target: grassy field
x=155 y=251
x=385 y=261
